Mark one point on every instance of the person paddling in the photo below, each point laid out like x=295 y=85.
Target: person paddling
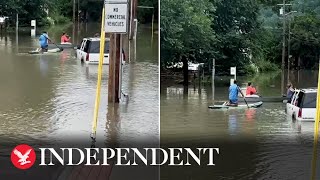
x=65 y=38
x=250 y=89
x=43 y=40
x=233 y=94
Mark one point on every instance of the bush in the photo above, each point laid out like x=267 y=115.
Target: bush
x=43 y=22
x=251 y=69
x=267 y=66
x=59 y=19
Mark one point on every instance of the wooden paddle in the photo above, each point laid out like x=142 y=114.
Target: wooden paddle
x=56 y=45
x=243 y=97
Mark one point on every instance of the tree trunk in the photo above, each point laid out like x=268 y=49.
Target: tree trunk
x=185 y=71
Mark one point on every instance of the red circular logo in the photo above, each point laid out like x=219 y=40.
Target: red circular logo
x=23 y=156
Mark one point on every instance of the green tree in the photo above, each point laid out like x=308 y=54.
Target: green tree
x=306 y=39
x=235 y=23
x=185 y=31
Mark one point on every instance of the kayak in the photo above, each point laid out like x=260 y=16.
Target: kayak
x=61 y=45
x=56 y=50
x=240 y=106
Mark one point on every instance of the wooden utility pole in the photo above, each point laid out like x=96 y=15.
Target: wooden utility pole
x=283 y=43
x=213 y=74
x=283 y=35
x=114 y=69
x=111 y=68
x=78 y=12
x=115 y=50
x=133 y=15
x=117 y=68
x=74 y=11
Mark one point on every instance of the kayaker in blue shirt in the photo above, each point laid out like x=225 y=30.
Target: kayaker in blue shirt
x=233 y=93
x=43 y=40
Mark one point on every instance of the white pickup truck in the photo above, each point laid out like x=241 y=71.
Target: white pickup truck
x=302 y=106
x=89 y=51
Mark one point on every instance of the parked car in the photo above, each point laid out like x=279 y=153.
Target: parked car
x=303 y=105
x=89 y=51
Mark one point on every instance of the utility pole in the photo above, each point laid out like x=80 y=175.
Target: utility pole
x=283 y=13
x=115 y=52
x=114 y=68
x=289 y=43
x=78 y=12
x=134 y=5
x=111 y=80
x=289 y=40
x=213 y=74
x=284 y=35
x=74 y=11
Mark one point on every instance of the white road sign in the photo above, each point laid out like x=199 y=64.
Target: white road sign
x=233 y=70
x=116 y=18
x=115 y=1
x=33 y=22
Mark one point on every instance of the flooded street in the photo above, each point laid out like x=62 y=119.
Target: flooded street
x=260 y=143
x=51 y=97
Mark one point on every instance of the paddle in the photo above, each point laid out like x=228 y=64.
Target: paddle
x=243 y=97
x=55 y=44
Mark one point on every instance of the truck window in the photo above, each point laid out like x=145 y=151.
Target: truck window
x=309 y=100
x=293 y=99
x=83 y=43
x=86 y=47
x=299 y=99
x=95 y=47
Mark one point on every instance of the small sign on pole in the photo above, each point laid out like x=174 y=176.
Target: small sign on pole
x=33 y=23
x=33 y=28
x=115 y=1
x=233 y=71
x=281 y=11
x=116 y=18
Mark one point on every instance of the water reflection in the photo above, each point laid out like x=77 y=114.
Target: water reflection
x=250 y=114
x=233 y=125
x=43 y=62
x=112 y=126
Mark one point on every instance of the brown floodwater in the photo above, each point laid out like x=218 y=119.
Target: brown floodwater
x=260 y=143
x=51 y=97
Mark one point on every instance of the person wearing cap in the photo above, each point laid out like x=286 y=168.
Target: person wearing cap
x=43 y=40
x=233 y=94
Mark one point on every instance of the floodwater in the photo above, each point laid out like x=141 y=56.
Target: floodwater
x=51 y=97
x=260 y=143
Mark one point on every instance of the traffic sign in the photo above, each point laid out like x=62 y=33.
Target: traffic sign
x=116 y=18
x=115 y=1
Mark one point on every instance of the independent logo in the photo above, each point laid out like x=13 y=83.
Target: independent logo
x=23 y=156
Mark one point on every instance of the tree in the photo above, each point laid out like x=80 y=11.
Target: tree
x=60 y=10
x=185 y=31
x=235 y=22
x=306 y=38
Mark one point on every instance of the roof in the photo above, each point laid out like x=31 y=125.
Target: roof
x=96 y=38
x=309 y=90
